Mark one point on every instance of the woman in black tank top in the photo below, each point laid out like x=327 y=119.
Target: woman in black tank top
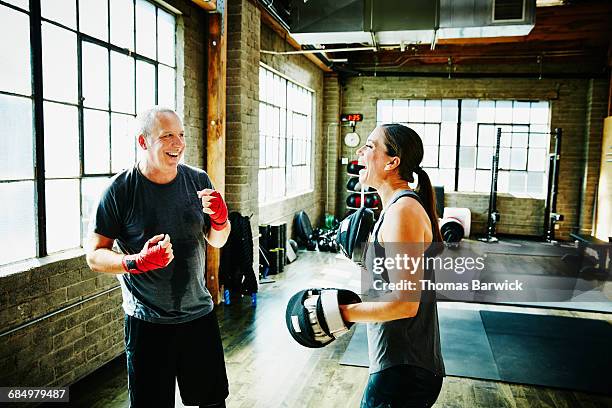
x=406 y=367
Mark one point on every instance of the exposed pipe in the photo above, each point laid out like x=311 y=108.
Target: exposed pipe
x=318 y=51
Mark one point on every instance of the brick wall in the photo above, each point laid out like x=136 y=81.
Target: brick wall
x=302 y=71
x=569 y=110
x=75 y=314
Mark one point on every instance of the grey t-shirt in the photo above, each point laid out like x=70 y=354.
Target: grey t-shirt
x=132 y=210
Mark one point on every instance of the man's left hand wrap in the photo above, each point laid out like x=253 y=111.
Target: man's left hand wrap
x=218 y=219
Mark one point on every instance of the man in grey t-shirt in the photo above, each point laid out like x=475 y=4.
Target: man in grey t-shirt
x=161 y=213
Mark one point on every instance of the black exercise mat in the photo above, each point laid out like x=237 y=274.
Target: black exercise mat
x=465 y=347
x=553 y=351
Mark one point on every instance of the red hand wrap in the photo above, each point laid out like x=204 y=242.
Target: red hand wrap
x=219 y=217
x=151 y=257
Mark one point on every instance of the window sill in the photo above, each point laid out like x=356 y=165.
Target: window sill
x=34 y=263
x=290 y=197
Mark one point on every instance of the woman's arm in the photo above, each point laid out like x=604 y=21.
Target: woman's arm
x=402 y=233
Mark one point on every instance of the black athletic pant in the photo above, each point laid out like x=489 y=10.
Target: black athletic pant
x=401 y=386
x=159 y=355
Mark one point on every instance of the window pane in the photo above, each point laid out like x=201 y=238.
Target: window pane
x=400 y=110
x=468 y=134
x=535 y=184
x=15 y=74
x=63 y=214
x=446 y=178
x=506 y=137
x=17 y=222
x=59 y=64
x=145 y=83
x=539 y=113
x=122 y=23
x=487 y=136
x=466 y=180
x=518 y=159
x=416 y=110
x=447 y=157
x=419 y=128
x=16 y=138
x=433 y=111
x=166 y=86
x=520 y=113
x=95 y=76
x=467 y=157
x=96 y=142
x=448 y=133
x=486 y=111
x=61 y=140
x=430 y=156
x=262 y=186
x=503 y=112
x=517 y=182
x=504 y=158
x=61 y=11
x=503 y=181
x=520 y=136
x=538 y=140
x=482 y=183
x=145 y=28
x=123 y=144
x=485 y=157
x=165 y=37
x=122 y=83
x=432 y=134
x=91 y=189
x=449 y=110
x=93 y=18
x=537 y=160
x=384 y=111
x=469 y=109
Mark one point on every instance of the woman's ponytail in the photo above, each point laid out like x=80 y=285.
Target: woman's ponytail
x=428 y=196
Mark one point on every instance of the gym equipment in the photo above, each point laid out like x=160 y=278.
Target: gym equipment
x=455 y=224
x=493 y=215
x=303 y=228
x=439 y=190
x=353 y=184
x=331 y=222
x=353 y=167
x=372 y=201
x=551 y=217
x=353 y=234
x=313 y=315
x=353 y=200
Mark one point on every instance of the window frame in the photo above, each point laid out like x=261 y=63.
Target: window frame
x=36 y=96
x=288 y=162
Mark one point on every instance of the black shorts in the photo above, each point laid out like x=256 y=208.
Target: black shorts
x=159 y=355
x=402 y=386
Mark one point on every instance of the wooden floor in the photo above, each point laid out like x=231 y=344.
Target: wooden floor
x=266 y=368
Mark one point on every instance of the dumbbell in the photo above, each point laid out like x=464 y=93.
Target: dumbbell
x=354 y=200
x=353 y=167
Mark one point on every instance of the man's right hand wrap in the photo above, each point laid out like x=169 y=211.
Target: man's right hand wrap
x=152 y=256
x=313 y=315
x=219 y=217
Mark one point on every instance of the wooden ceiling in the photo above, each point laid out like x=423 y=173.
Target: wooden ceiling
x=570 y=39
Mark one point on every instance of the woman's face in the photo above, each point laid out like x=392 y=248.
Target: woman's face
x=373 y=155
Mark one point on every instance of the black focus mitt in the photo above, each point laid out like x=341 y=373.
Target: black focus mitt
x=353 y=233
x=313 y=315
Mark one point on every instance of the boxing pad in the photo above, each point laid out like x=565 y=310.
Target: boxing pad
x=353 y=233
x=313 y=315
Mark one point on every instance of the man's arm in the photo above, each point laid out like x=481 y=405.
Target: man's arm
x=100 y=256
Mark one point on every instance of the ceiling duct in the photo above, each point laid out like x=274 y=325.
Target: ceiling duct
x=392 y=22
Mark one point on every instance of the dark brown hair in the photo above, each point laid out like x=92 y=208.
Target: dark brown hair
x=405 y=143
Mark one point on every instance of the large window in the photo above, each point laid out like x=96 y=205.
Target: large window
x=466 y=129
x=285 y=137
x=73 y=76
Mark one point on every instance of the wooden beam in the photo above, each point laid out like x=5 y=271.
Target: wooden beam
x=215 y=128
x=268 y=20
x=208 y=5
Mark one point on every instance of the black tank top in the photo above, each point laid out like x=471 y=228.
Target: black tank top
x=414 y=341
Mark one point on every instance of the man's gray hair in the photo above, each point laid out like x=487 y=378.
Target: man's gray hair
x=146 y=120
